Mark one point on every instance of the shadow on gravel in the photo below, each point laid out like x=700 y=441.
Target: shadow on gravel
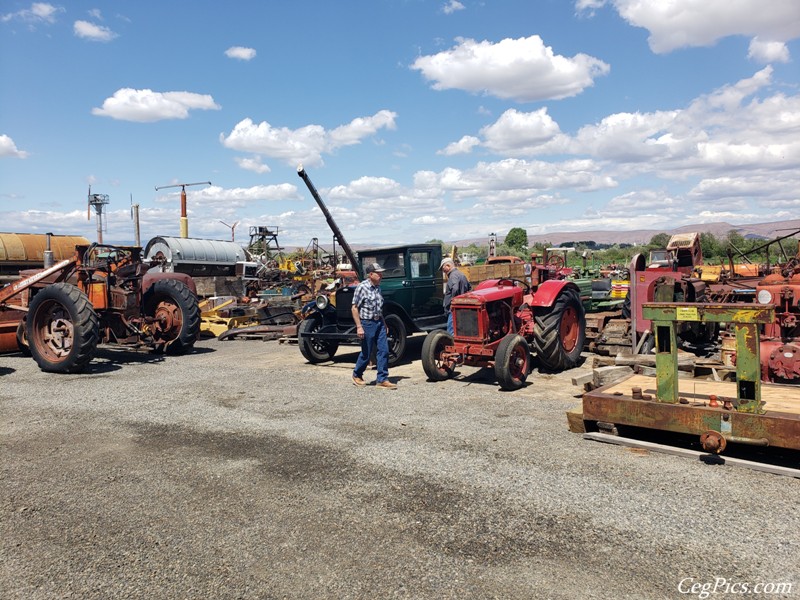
x=6 y=370
x=349 y=354
x=112 y=358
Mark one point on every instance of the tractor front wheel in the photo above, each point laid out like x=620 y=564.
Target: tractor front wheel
x=314 y=350
x=512 y=362
x=62 y=329
x=177 y=315
x=435 y=367
x=560 y=331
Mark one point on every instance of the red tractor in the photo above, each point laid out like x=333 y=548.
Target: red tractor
x=102 y=295
x=499 y=324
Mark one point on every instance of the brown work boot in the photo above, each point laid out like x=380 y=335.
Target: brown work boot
x=387 y=385
x=358 y=381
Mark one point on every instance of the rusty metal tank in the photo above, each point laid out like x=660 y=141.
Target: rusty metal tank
x=195 y=257
x=20 y=251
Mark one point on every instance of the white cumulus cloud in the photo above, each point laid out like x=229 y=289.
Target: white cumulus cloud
x=521 y=69
x=685 y=23
x=452 y=6
x=306 y=144
x=147 y=106
x=240 y=53
x=462 y=146
x=252 y=164
x=8 y=149
x=39 y=12
x=93 y=32
x=768 y=52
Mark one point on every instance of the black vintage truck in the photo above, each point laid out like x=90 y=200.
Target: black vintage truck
x=412 y=291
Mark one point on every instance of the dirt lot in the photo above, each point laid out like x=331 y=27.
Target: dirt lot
x=241 y=471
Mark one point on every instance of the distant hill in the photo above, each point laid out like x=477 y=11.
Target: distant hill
x=642 y=236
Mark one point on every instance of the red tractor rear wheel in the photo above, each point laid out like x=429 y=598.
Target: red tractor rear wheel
x=512 y=362
x=435 y=367
x=62 y=329
x=560 y=331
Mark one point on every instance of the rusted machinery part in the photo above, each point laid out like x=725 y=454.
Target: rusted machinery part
x=263 y=331
x=782 y=360
x=713 y=441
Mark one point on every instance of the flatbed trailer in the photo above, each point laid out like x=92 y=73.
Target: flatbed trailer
x=746 y=412
x=633 y=402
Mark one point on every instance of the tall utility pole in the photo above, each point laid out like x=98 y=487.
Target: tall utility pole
x=98 y=201
x=184 y=219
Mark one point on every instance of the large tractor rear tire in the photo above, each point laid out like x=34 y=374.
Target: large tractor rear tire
x=512 y=362
x=435 y=368
x=396 y=338
x=177 y=316
x=62 y=329
x=560 y=331
x=314 y=351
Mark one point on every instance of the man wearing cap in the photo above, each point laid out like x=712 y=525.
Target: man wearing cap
x=456 y=285
x=371 y=328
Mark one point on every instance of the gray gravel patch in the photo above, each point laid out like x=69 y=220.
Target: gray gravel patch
x=241 y=471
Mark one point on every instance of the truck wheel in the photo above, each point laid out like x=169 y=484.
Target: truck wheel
x=314 y=351
x=559 y=332
x=62 y=329
x=396 y=338
x=512 y=362
x=435 y=368
x=177 y=316
x=22 y=337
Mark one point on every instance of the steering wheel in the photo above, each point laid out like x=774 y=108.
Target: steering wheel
x=556 y=262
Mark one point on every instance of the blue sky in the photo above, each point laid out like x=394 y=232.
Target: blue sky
x=415 y=119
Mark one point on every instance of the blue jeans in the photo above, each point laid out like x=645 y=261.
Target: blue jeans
x=450 y=322
x=374 y=336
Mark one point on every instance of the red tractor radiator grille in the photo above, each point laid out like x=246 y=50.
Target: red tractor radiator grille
x=465 y=323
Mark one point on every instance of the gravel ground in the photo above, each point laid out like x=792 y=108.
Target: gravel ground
x=241 y=471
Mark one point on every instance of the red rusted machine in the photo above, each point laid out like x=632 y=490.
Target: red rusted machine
x=501 y=322
x=103 y=294
x=780 y=340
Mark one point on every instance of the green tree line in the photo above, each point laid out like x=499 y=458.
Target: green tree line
x=715 y=249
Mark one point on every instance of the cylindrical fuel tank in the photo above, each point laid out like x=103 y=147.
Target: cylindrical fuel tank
x=26 y=250
x=195 y=257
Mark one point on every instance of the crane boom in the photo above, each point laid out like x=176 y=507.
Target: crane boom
x=337 y=233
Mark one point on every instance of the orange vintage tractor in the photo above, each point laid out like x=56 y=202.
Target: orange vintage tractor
x=102 y=295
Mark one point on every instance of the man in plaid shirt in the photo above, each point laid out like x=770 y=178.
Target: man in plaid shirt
x=367 y=312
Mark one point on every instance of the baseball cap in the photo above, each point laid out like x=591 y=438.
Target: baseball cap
x=446 y=261
x=374 y=268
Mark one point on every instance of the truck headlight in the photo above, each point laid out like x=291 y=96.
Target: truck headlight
x=764 y=297
x=321 y=302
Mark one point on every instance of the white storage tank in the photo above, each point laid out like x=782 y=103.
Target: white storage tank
x=195 y=257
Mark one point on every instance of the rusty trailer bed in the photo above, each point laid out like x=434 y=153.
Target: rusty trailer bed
x=777 y=424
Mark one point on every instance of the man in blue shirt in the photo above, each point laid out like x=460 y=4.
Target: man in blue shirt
x=367 y=312
x=456 y=285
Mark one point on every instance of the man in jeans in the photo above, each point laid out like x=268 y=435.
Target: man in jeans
x=367 y=312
